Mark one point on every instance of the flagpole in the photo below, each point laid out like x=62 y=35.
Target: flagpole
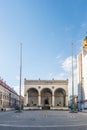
x=73 y=100
x=20 y=73
x=72 y=74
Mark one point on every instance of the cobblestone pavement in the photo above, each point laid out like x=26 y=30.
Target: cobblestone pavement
x=43 y=120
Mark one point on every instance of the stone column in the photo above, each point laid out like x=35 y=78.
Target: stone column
x=26 y=99
x=39 y=100
x=53 y=100
x=66 y=100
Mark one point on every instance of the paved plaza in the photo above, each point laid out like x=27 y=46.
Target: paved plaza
x=43 y=120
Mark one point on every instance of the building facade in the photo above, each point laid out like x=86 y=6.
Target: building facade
x=82 y=76
x=46 y=92
x=8 y=97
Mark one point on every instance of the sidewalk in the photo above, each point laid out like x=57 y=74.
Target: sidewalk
x=7 y=109
x=84 y=111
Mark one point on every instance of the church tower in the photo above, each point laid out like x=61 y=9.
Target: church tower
x=85 y=43
x=82 y=75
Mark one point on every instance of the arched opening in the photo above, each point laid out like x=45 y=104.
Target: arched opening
x=46 y=97
x=60 y=97
x=32 y=97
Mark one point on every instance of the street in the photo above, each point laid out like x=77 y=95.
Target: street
x=43 y=120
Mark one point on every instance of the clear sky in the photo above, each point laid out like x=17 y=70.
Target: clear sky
x=46 y=28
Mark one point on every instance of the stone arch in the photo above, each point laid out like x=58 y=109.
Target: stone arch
x=32 y=97
x=60 y=96
x=46 y=96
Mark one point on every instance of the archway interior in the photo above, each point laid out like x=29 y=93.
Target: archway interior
x=46 y=97
x=32 y=97
x=60 y=97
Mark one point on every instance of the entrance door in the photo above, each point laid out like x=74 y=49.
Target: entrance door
x=46 y=101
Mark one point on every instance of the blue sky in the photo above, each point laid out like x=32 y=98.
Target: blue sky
x=46 y=28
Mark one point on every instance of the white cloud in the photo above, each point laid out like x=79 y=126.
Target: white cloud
x=66 y=73
x=67 y=67
x=67 y=64
x=75 y=83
